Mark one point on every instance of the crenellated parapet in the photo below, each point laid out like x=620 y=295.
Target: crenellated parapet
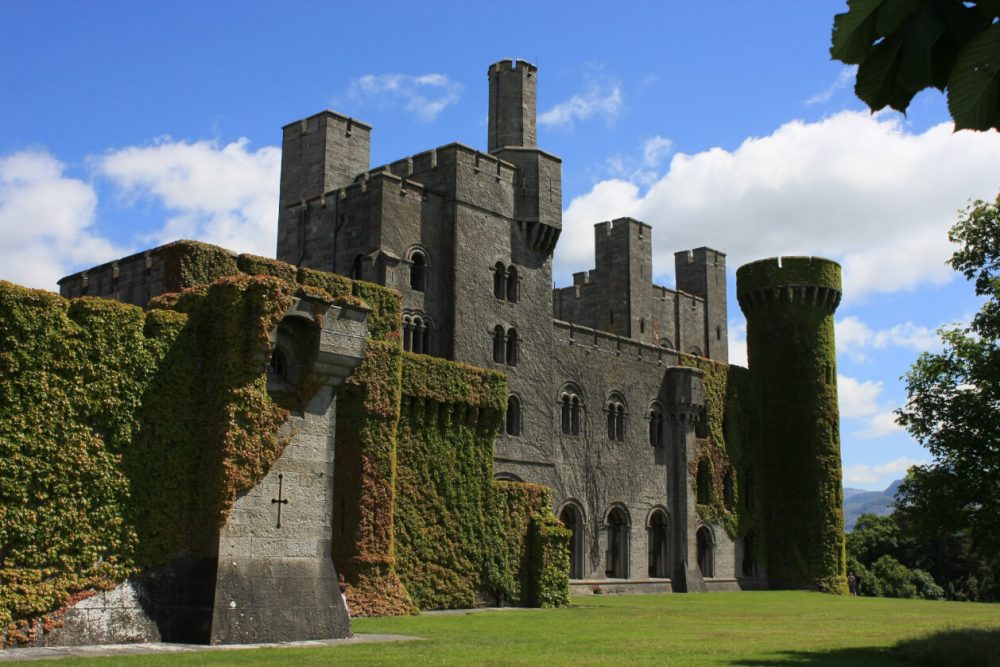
x=782 y=281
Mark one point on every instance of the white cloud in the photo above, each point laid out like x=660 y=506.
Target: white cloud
x=884 y=472
x=227 y=195
x=425 y=95
x=854 y=187
x=643 y=170
x=602 y=99
x=857 y=398
x=880 y=424
x=46 y=221
x=655 y=150
x=854 y=336
x=844 y=79
x=738 y=342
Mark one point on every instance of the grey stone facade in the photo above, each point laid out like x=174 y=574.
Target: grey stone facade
x=467 y=238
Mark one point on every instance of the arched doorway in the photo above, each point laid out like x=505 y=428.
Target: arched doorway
x=657 y=535
x=706 y=552
x=572 y=519
x=616 y=556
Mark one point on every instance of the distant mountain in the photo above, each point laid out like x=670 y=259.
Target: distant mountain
x=859 y=501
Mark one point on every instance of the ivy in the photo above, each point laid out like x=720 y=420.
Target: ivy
x=111 y=420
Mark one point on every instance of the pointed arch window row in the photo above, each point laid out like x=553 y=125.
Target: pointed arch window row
x=506 y=282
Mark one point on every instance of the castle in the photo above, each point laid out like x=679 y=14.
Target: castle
x=602 y=407
x=672 y=470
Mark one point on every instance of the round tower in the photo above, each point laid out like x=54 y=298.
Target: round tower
x=789 y=304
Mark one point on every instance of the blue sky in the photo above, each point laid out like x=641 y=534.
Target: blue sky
x=126 y=124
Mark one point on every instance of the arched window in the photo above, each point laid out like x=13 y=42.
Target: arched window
x=419 y=336
x=407 y=333
x=416 y=334
x=356 y=270
x=418 y=271
x=513 y=286
x=656 y=532
x=512 y=347
x=616 y=417
x=499 y=281
x=642 y=326
x=694 y=350
x=572 y=518
x=727 y=489
x=499 y=344
x=706 y=552
x=512 y=424
x=704 y=482
x=572 y=410
x=617 y=554
x=656 y=425
x=666 y=343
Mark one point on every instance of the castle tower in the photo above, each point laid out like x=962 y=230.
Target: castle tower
x=318 y=154
x=513 y=138
x=702 y=272
x=623 y=254
x=789 y=304
x=512 y=104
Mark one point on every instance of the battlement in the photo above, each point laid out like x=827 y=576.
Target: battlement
x=622 y=226
x=311 y=123
x=813 y=281
x=515 y=64
x=569 y=333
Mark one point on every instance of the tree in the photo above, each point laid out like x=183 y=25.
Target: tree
x=953 y=407
x=904 y=46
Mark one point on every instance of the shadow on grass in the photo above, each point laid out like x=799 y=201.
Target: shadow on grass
x=964 y=647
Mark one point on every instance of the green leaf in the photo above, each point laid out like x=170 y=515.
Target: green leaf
x=877 y=85
x=854 y=31
x=895 y=13
x=988 y=9
x=974 y=83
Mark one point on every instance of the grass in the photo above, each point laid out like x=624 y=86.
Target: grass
x=761 y=628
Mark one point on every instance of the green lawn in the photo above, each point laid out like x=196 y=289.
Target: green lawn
x=765 y=628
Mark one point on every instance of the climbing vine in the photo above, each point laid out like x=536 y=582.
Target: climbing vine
x=97 y=477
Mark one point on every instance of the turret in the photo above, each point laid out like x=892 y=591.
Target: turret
x=702 y=272
x=789 y=304
x=513 y=138
x=512 y=104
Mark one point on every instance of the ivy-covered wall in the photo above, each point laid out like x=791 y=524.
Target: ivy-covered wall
x=790 y=342
x=729 y=450
x=460 y=535
x=125 y=435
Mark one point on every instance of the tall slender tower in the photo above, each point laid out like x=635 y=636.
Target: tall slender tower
x=789 y=304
